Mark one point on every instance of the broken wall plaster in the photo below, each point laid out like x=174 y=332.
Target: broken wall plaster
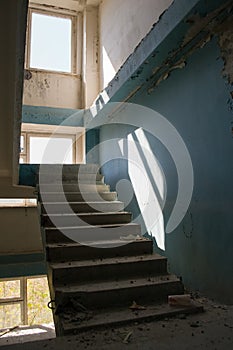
x=211 y=24
x=224 y=32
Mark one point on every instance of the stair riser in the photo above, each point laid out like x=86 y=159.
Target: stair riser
x=60 y=254
x=56 y=236
x=78 y=197
x=69 y=221
x=66 y=168
x=66 y=276
x=124 y=297
x=80 y=178
x=69 y=187
x=55 y=208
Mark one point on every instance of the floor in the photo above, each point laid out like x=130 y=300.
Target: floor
x=212 y=330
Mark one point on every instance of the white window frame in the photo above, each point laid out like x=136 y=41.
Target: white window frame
x=75 y=38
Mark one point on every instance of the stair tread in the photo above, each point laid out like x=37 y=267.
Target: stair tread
x=77 y=192
x=107 y=261
x=89 y=214
x=73 y=244
x=86 y=202
x=122 y=315
x=131 y=224
x=100 y=286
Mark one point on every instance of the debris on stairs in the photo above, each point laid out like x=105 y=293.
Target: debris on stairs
x=98 y=281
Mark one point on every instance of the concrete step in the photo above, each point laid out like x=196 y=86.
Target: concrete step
x=107 y=269
x=81 y=178
x=120 y=316
x=79 y=197
x=119 y=293
x=109 y=232
x=70 y=168
x=69 y=220
x=75 y=251
x=82 y=207
x=73 y=187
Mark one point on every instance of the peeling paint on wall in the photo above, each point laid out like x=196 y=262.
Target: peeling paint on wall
x=225 y=39
x=52 y=89
x=214 y=24
x=218 y=22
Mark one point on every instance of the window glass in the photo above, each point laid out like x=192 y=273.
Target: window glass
x=10 y=289
x=51 y=150
x=10 y=315
x=37 y=300
x=50 y=43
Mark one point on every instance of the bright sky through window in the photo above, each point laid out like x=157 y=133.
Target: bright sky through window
x=51 y=150
x=50 y=43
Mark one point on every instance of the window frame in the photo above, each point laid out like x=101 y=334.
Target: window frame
x=74 y=41
x=22 y=300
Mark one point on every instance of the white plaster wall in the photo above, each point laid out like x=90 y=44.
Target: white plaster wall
x=90 y=55
x=20 y=231
x=52 y=90
x=123 y=24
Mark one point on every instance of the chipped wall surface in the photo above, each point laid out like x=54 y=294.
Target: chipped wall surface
x=213 y=24
x=123 y=24
x=225 y=40
x=52 y=90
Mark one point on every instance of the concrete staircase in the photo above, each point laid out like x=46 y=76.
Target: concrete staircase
x=103 y=281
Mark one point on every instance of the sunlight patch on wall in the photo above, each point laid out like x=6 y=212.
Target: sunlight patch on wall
x=108 y=69
x=148 y=183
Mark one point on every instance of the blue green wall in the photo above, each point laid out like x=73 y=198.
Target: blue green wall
x=52 y=116
x=22 y=265
x=196 y=100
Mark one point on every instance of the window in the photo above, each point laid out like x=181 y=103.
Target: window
x=23 y=301
x=50 y=144
x=51 y=150
x=51 y=41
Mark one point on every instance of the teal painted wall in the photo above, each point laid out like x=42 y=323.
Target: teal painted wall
x=197 y=101
x=52 y=116
x=22 y=265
